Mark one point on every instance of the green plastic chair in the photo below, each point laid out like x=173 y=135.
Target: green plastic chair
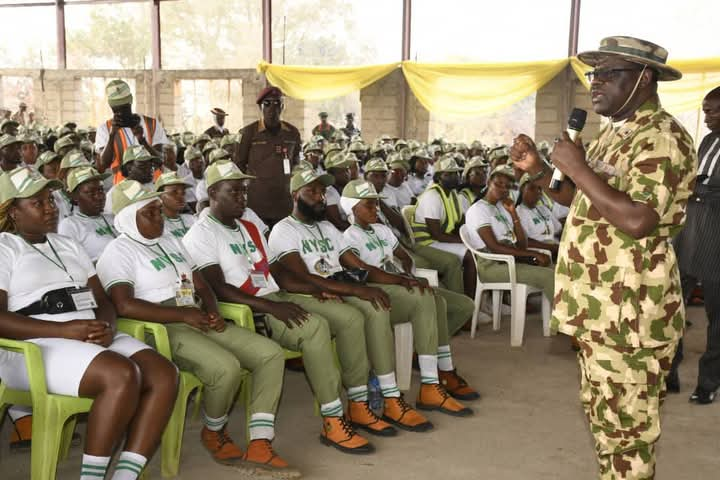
x=54 y=416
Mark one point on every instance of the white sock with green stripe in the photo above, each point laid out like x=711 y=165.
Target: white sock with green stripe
x=388 y=385
x=129 y=466
x=93 y=467
x=428 y=369
x=214 y=424
x=444 y=356
x=332 y=409
x=262 y=425
x=358 y=394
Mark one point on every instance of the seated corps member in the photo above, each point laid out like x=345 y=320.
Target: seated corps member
x=494 y=226
x=474 y=180
x=376 y=245
x=338 y=165
x=541 y=227
x=317 y=253
x=132 y=386
x=88 y=226
x=151 y=276
x=138 y=165
x=233 y=256
x=172 y=189
x=439 y=215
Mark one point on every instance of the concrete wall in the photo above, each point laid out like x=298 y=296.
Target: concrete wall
x=387 y=107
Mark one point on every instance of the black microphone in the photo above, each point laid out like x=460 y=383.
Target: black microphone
x=576 y=123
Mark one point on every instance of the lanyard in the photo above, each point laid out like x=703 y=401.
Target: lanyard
x=101 y=217
x=536 y=210
x=373 y=236
x=164 y=255
x=59 y=262
x=504 y=221
x=238 y=228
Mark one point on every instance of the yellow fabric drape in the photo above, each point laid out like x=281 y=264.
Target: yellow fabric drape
x=320 y=83
x=475 y=89
x=699 y=77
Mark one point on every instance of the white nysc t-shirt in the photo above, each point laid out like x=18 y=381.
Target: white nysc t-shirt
x=332 y=197
x=178 y=227
x=153 y=271
x=209 y=242
x=539 y=223
x=28 y=271
x=92 y=233
x=483 y=214
x=374 y=246
x=320 y=245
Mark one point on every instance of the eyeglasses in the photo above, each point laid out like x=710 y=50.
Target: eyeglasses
x=268 y=103
x=607 y=74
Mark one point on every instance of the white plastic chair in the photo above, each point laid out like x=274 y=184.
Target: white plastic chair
x=518 y=296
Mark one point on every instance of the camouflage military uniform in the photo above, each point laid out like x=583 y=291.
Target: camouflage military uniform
x=621 y=297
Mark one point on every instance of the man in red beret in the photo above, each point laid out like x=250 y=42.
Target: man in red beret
x=269 y=149
x=218 y=130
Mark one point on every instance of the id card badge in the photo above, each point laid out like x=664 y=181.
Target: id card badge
x=258 y=279
x=185 y=293
x=286 y=166
x=83 y=298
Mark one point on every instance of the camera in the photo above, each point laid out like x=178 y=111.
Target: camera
x=129 y=121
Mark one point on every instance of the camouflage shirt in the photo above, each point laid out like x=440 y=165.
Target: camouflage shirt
x=609 y=287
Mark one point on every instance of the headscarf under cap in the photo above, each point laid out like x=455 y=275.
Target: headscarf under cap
x=126 y=221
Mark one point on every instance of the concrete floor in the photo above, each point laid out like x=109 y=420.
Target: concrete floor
x=528 y=425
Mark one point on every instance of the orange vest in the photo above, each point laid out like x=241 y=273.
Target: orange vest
x=121 y=144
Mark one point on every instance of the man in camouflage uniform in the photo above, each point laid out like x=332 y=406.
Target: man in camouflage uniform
x=617 y=285
x=324 y=128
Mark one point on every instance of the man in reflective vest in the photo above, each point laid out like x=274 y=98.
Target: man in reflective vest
x=124 y=129
x=439 y=215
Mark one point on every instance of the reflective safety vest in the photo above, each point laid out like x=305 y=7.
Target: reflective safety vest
x=453 y=216
x=469 y=194
x=122 y=142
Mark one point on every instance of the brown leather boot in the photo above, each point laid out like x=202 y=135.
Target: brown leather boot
x=337 y=432
x=221 y=446
x=456 y=386
x=433 y=396
x=361 y=416
x=260 y=459
x=401 y=414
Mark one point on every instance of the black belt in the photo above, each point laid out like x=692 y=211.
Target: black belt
x=35 y=308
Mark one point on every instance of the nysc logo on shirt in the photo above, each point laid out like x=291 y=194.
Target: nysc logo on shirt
x=179 y=232
x=372 y=244
x=240 y=249
x=320 y=246
x=161 y=263
x=102 y=231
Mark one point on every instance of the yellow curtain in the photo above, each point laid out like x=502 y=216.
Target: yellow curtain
x=699 y=77
x=468 y=90
x=320 y=83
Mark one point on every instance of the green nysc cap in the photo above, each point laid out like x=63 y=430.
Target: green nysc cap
x=78 y=176
x=192 y=153
x=169 y=178
x=224 y=170
x=447 y=164
x=376 y=165
x=218 y=154
x=506 y=170
x=475 y=162
x=7 y=140
x=128 y=192
x=45 y=158
x=74 y=159
x=305 y=177
x=118 y=93
x=340 y=160
x=62 y=142
x=360 y=189
x=137 y=153
x=23 y=182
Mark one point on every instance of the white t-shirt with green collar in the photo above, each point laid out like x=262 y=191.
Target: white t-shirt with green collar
x=209 y=242
x=374 y=246
x=320 y=245
x=92 y=233
x=153 y=271
x=539 y=223
x=178 y=227
x=483 y=214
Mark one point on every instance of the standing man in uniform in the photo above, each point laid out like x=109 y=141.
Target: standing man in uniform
x=218 y=130
x=19 y=116
x=124 y=129
x=324 y=128
x=698 y=248
x=269 y=149
x=617 y=284
x=350 y=129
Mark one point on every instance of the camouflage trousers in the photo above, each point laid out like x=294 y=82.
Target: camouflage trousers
x=621 y=391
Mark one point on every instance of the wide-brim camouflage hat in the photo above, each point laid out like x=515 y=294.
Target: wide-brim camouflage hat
x=633 y=50
x=421 y=153
x=137 y=153
x=23 y=182
x=209 y=146
x=218 y=154
x=340 y=160
x=306 y=177
x=505 y=170
x=45 y=158
x=447 y=165
x=360 y=189
x=376 y=165
x=118 y=93
x=224 y=170
x=202 y=138
x=63 y=142
x=128 y=192
x=7 y=121
x=192 y=153
x=74 y=159
x=78 y=176
x=475 y=162
x=169 y=178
